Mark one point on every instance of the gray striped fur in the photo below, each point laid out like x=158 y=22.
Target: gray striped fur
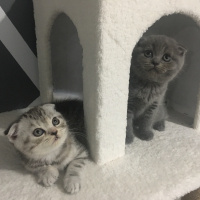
x=56 y=149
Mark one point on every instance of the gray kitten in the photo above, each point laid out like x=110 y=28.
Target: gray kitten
x=50 y=138
x=156 y=60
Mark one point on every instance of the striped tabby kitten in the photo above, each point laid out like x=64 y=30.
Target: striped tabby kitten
x=50 y=138
x=156 y=60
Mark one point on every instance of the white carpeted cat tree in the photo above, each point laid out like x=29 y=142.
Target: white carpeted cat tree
x=108 y=31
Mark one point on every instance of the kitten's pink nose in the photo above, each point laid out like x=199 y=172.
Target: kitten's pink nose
x=53 y=131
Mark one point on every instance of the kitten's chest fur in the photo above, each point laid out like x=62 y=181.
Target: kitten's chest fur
x=59 y=158
x=142 y=94
x=147 y=93
x=70 y=151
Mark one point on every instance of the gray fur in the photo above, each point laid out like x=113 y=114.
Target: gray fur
x=57 y=148
x=156 y=60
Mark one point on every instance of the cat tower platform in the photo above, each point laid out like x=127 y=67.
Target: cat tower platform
x=164 y=168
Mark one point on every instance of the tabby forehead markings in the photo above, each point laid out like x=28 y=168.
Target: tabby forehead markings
x=36 y=113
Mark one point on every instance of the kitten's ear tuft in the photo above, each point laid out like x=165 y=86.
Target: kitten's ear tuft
x=182 y=50
x=12 y=132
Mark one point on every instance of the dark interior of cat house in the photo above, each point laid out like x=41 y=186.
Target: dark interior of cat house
x=66 y=58
x=181 y=97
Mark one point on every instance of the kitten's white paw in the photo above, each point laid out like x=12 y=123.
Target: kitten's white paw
x=72 y=184
x=49 y=177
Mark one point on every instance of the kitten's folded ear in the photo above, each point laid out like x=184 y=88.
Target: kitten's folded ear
x=141 y=41
x=11 y=132
x=182 y=50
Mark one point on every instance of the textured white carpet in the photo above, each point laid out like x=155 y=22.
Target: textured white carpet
x=162 y=169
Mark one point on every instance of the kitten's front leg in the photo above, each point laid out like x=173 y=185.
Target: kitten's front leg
x=159 y=123
x=129 y=128
x=72 y=181
x=48 y=176
x=143 y=124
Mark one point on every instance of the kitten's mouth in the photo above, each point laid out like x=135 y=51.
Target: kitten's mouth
x=157 y=70
x=56 y=138
x=153 y=69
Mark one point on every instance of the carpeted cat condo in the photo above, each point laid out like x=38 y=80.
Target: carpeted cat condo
x=108 y=31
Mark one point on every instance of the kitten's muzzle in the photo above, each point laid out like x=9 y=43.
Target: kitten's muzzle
x=156 y=67
x=53 y=131
x=155 y=63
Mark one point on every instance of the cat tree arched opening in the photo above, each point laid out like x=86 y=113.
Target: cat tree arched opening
x=181 y=97
x=96 y=106
x=66 y=59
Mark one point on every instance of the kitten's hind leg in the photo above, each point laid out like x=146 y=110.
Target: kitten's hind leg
x=159 y=123
x=143 y=134
x=129 y=129
x=159 y=126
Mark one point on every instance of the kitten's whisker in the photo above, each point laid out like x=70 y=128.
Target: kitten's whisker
x=80 y=134
x=46 y=140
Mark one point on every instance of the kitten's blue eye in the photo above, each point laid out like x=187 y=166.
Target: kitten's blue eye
x=167 y=58
x=55 y=121
x=148 y=54
x=38 y=132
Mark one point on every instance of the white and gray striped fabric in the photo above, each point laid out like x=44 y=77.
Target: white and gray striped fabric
x=18 y=57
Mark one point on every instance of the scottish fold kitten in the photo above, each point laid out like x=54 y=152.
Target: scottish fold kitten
x=156 y=60
x=50 y=138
